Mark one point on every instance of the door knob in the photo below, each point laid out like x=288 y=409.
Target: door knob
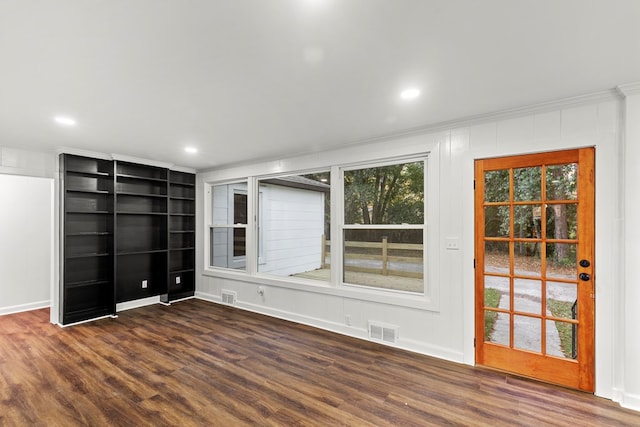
x=584 y=277
x=584 y=263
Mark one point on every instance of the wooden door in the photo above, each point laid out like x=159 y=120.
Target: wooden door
x=534 y=266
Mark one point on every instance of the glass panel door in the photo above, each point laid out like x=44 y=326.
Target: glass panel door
x=534 y=266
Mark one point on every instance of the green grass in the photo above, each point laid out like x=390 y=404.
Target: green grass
x=491 y=299
x=562 y=309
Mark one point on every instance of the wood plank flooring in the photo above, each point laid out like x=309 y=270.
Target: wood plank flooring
x=196 y=363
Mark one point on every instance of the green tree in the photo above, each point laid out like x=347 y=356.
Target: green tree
x=385 y=195
x=561 y=181
x=562 y=185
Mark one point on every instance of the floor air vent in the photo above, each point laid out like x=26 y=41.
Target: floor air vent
x=382 y=332
x=229 y=297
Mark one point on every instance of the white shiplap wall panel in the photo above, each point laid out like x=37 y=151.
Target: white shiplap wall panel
x=483 y=136
x=517 y=132
x=580 y=125
x=547 y=128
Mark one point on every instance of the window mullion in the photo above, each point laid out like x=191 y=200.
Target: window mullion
x=337 y=215
x=251 y=247
x=383 y=226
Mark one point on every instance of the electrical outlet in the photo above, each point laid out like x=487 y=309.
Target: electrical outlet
x=452 y=243
x=347 y=319
x=177 y=280
x=144 y=284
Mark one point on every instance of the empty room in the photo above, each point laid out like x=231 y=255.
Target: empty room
x=319 y=212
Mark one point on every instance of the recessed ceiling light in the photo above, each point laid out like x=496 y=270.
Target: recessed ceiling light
x=191 y=150
x=410 y=93
x=64 y=121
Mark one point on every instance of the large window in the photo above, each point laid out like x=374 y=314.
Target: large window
x=229 y=226
x=294 y=225
x=383 y=230
x=284 y=224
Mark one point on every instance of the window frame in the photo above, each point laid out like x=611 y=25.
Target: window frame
x=238 y=263
x=342 y=225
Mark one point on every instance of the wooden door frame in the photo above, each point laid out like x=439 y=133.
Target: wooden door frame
x=583 y=377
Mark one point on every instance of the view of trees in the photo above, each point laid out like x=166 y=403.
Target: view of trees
x=561 y=218
x=385 y=195
x=391 y=194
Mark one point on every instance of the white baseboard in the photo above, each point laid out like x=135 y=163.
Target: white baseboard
x=83 y=321
x=433 y=351
x=208 y=297
x=128 y=305
x=177 y=300
x=627 y=400
x=25 y=307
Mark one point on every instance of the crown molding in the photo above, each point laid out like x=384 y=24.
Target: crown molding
x=122 y=158
x=183 y=169
x=84 y=153
x=629 y=89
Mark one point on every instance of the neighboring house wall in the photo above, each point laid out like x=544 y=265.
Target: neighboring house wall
x=441 y=324
x=26 y=229
x=291 y=228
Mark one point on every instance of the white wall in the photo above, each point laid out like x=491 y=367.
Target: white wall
x=441 y=324
x=26 y=242
x=27 y=224
x=29 y=163
x=627 y=339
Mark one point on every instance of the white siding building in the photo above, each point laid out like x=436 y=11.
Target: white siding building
x=292 y=226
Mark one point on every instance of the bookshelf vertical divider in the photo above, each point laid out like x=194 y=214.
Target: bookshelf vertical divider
x=181 y=236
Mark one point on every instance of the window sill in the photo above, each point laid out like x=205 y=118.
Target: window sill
x=362 y=293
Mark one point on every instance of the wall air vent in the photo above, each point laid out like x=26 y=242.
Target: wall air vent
x=382 y=332
x=229 y=297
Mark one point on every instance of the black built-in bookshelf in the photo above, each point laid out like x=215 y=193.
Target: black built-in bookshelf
x=182 y=239
x=87 y=287
x=128 y=233
x=141 y=231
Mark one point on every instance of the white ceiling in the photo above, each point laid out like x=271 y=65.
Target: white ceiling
x=259 y=79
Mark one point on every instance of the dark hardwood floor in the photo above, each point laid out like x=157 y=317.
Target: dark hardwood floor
x=198 y=363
